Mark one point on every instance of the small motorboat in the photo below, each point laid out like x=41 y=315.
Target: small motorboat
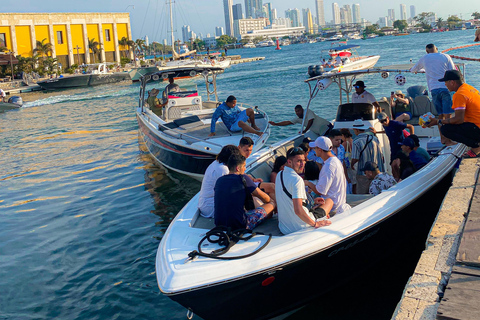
x=95 y=75
x=177 y=136
x=350 y=60
x=293 y=269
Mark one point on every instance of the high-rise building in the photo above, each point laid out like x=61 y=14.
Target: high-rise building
x=403 y=12
x=185 y=33
x=219 y=31
x=412 y=12
x=253 y=9
x=267 y=8
x=294 y=16
x=348 y=14
x=383 y=22
x=237 y=11
x=356 y=13
x=391 y=14
x=307 y=20
x=336 y=13
x=274 y=14
x=320 y=12
x=228 y=12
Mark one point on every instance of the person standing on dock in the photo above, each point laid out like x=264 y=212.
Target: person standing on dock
x=435 y=64
x=312 y=121
x=464 y=126
x=2 y=95
x=234 y=118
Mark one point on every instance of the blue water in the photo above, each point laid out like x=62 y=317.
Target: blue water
x=83 y=207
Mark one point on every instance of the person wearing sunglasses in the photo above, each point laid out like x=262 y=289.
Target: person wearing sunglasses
x=363 y=96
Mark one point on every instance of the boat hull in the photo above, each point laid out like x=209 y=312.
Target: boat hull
x=83 y=80
x=173 y=156
x=137 y=73
x=288 y=286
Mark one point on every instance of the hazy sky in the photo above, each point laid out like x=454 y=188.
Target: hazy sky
x=149 y=17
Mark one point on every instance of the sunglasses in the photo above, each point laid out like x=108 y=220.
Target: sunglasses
x=357 y=87
x=295 y=150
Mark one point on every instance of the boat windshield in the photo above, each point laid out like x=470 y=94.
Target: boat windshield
x=354 y=111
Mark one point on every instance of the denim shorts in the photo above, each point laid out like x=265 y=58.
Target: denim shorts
x=442 y=99
x=255 y=216
x=242 y=116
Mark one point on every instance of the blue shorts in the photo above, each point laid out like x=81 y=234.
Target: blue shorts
x=442 y=99
x=255 y=216
x=242 y=116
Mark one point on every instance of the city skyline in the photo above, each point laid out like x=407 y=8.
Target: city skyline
x=204 y=16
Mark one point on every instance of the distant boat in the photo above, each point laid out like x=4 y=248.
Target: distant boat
x=401 y=34
x=14 y=102
x=97 y=74
x=249 y=45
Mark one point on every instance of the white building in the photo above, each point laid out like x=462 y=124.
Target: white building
x=243 y=26
x=383 y=22
x=356 y=13
x=274 y=31
x=307 y=20
x=274 y=14
x=348 y=14
x=219 y=31
x=336 y=13
x=403 y=12
x=210 y=42
x=294 y=15
x=391 y=14
x=320 y=12
x=185 y=33
x=283 y=22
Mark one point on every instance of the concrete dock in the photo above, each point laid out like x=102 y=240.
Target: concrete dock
x=446 y=280
x=243 y=60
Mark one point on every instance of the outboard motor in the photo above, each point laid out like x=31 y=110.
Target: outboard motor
x=16 y=100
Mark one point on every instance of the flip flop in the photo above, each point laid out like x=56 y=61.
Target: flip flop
x=470 y=154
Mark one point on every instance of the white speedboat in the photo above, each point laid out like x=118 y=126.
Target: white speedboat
x=177 y=135
x=350 y=61
x=293 y=269
x=249 y=45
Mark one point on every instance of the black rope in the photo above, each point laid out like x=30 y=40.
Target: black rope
x=226 y=238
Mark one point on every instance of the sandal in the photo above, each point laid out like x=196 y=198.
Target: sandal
x=470 y=154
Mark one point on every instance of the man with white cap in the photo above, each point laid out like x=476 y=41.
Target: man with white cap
x=366 y=147
x=331 y=183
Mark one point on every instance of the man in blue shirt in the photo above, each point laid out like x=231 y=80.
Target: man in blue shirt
x=407 y=147
x=234 y=118
x=394 y=131
x=229 y=200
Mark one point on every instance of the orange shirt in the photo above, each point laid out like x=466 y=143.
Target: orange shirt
x=468 y=98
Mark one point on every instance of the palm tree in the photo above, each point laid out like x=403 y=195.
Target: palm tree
x=95 y=46
x=4 y=49
x=123 y=42
x=140 y=45
x=43 y=48
x=440 y=23
x=131 y=44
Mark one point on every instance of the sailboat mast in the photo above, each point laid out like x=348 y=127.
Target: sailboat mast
x=171 y=26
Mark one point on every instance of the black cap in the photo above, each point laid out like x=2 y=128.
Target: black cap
x=360 y=84
x=370 y=166
x=451 y=75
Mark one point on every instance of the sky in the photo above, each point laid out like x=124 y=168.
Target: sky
x=149 y=17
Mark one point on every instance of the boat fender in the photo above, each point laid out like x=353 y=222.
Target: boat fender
x=227 y=238
x=196 y=101
x=164 y=76
x=193 y=73
x=155 y=77
x=385 y=74
x=400 y=79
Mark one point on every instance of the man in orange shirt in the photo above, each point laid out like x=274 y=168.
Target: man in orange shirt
x=464 y=126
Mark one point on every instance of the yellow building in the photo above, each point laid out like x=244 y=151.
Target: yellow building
x=69 y=34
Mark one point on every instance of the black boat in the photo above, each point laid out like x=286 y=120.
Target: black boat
x=97 y=77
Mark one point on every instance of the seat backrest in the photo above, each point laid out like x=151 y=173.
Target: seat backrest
x=385 y=106
x=422 y=106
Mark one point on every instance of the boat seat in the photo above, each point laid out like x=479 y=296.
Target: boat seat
x=269 y=226
x=356 y=199
x=385 y=106
x=175 y=112
x=423 y=105
x=263 y=171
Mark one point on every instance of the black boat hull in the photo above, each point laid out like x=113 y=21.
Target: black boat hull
x=83 y=80
x=289 y=286
x=181 y=159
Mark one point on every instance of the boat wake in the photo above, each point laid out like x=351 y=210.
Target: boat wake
x=81 y=97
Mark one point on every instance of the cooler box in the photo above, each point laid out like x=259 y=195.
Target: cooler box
x=434 y=145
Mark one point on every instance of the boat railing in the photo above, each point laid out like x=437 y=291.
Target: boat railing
x=180 y=135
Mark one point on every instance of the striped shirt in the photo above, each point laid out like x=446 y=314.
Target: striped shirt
x=372 y=152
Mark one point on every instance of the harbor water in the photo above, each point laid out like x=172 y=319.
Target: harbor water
x=83 y=206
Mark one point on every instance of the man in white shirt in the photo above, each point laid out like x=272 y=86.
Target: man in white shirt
x=435 y=64
x=292 y=213
x=363 y=96
x=2 y=95
x=312 y=121
x=331 y=183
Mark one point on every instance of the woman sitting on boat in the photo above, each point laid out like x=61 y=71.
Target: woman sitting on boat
x=154 y=102
x=400 y=106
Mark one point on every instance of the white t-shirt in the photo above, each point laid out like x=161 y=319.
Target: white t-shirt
x=2 y=93
x=435 y=65
x=317 y=121
x=333 y=184
x=364 y=97
x=207 y=194
x=288 y=221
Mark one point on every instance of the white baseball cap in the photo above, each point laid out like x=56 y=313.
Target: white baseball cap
x=323 y=143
